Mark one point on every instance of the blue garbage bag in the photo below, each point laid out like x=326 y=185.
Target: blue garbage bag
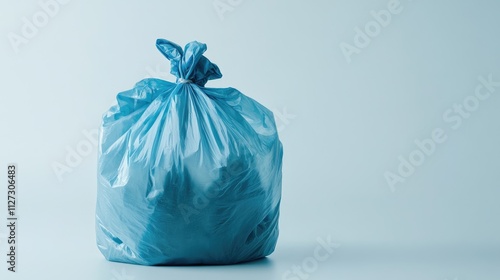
x=187 y=174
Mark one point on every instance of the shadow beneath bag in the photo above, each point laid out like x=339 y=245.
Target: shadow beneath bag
x=264 y=268
x=262 y=262
x=259 y=263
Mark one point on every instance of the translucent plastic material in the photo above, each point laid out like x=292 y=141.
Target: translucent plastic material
x=187 y=174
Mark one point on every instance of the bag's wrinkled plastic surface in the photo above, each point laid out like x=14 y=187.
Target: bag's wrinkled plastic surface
x=187 y=174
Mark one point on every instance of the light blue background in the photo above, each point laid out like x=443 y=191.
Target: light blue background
x=347 y=125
